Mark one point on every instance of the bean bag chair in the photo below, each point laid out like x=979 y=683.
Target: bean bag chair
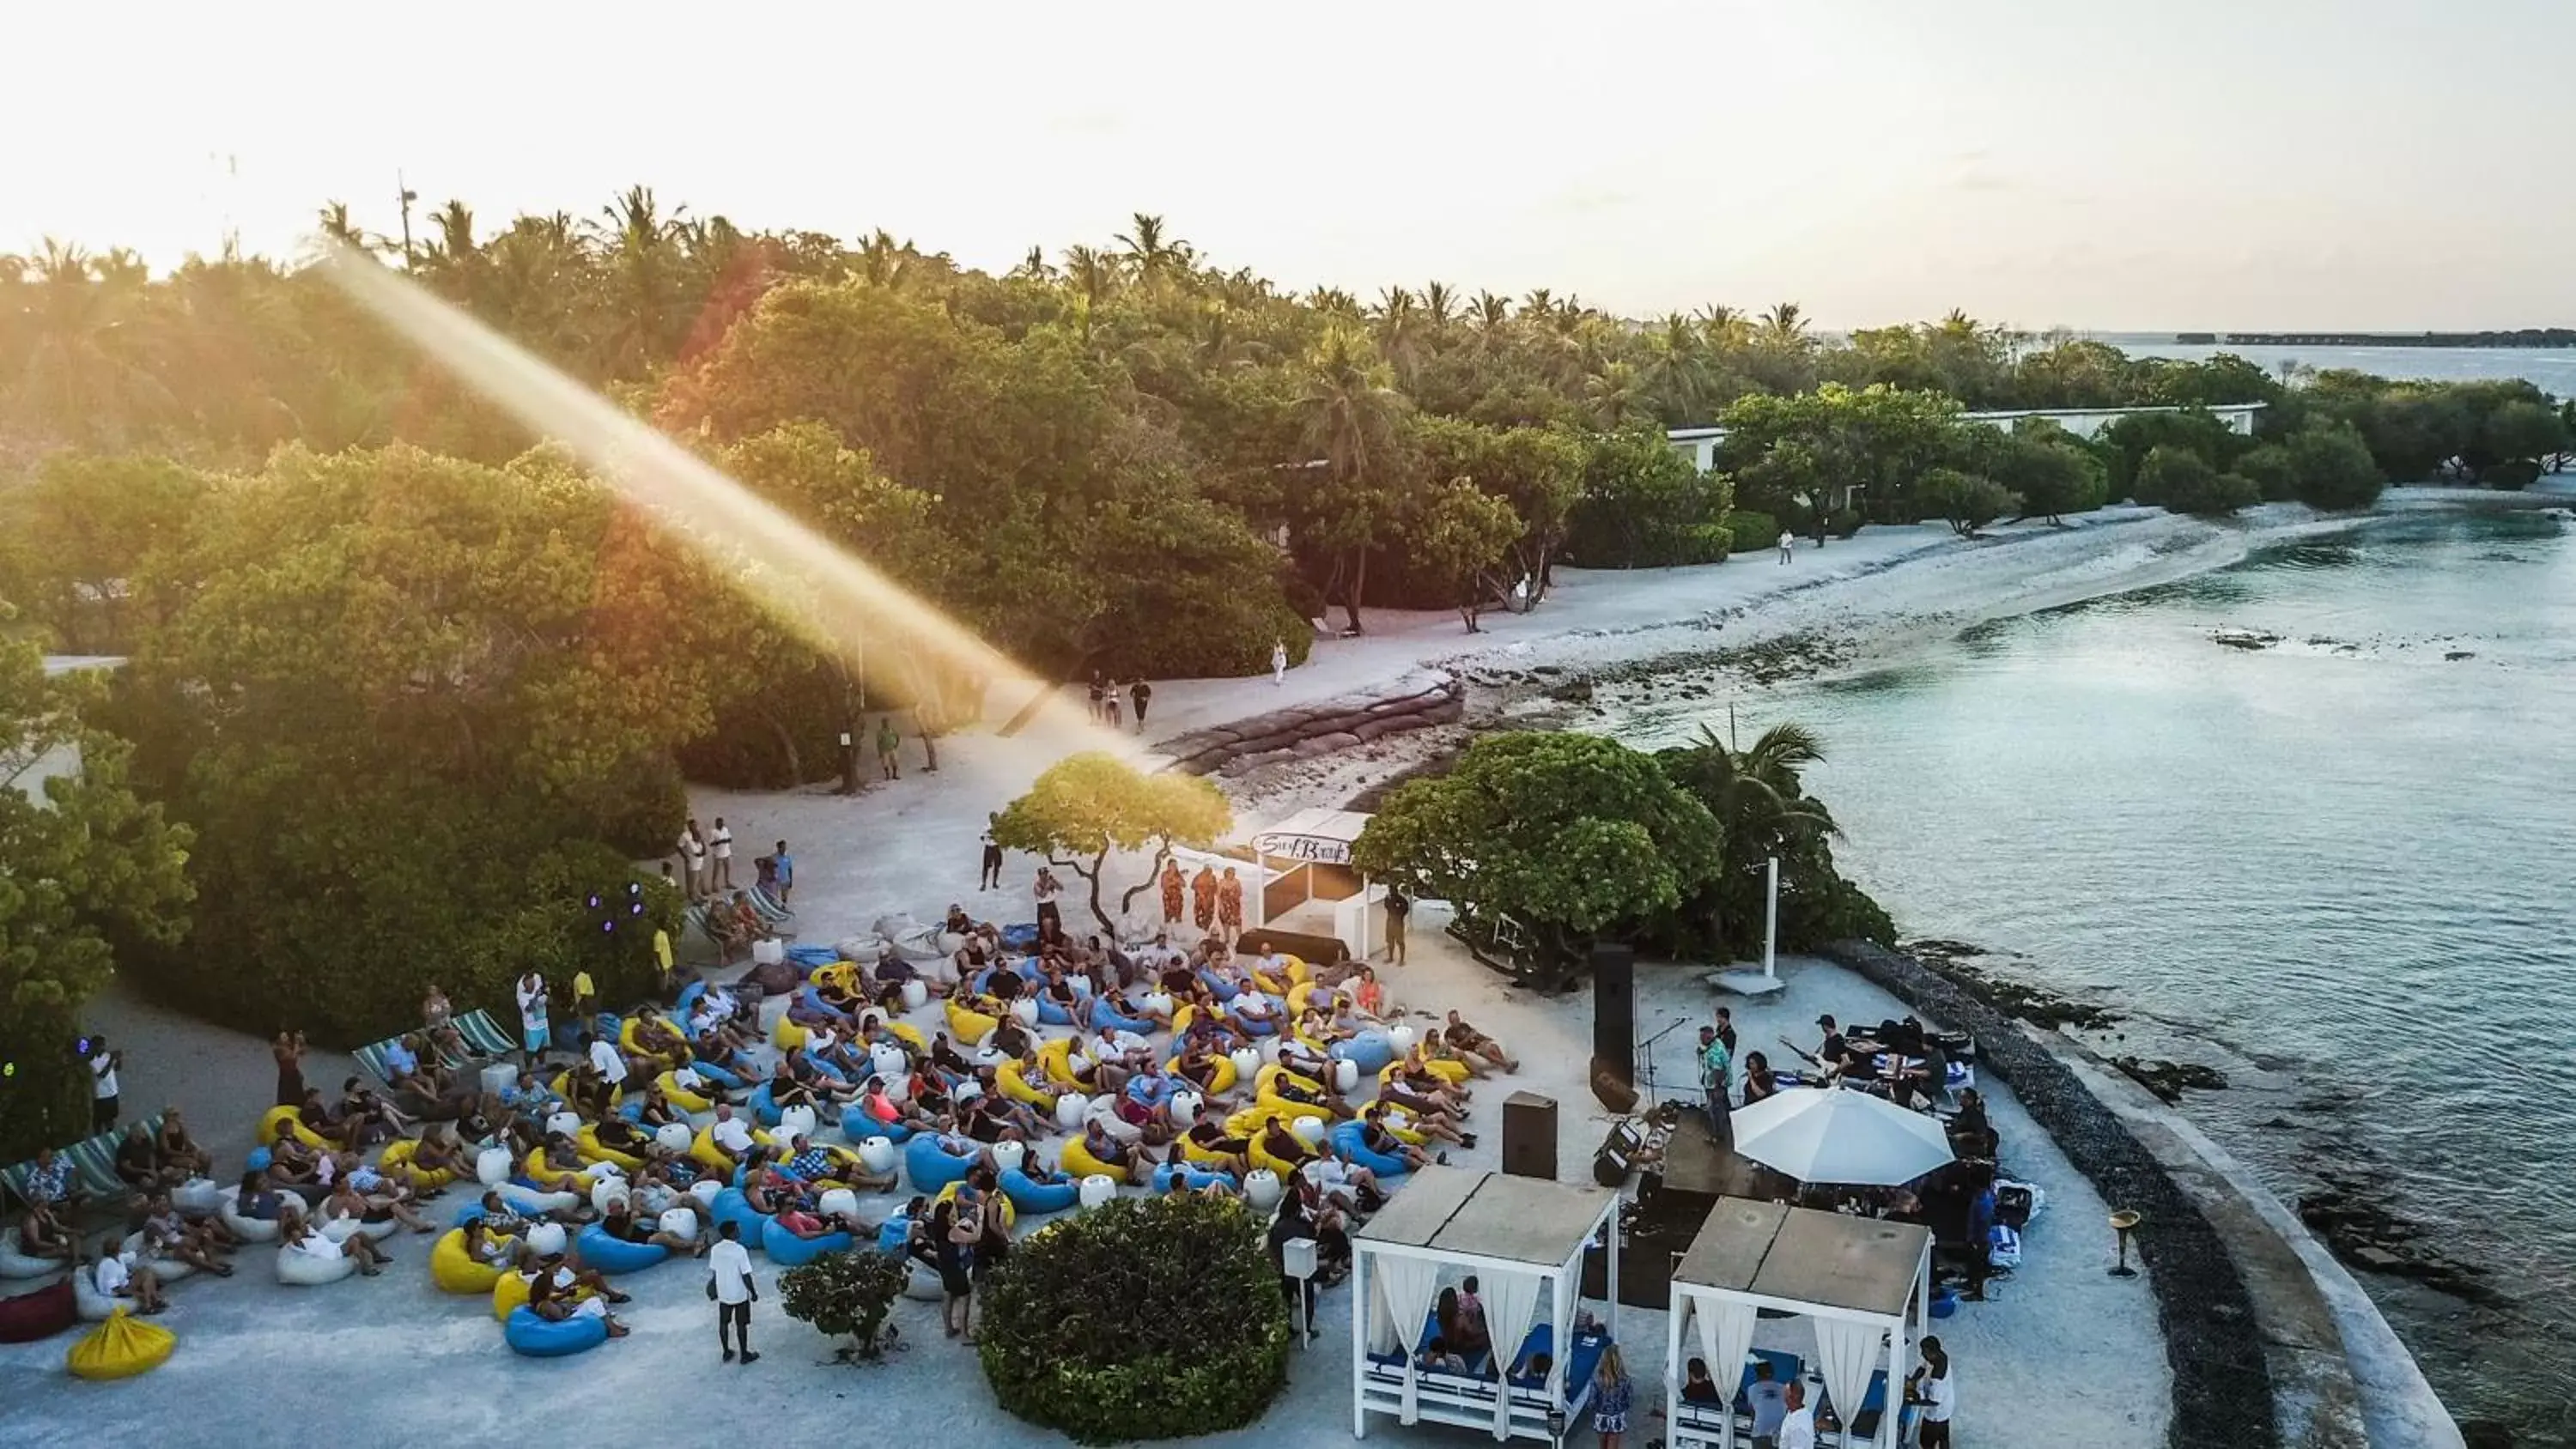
x=258 y=1160
x=969 y=1026
x=283 y=1119
x=1052 y=1012
x=1027 y=1194
x=1279 y=1106
x=528 y=1199
x=923 y=1284
x=536 y=1337
x=681 y=1097
x=732 y=1207
x=1454 y=1073
x=1223 y=987
x=1264 y=1157
x=704 y=1152
x=198 y=1197
x=722 y=1075
x=1349 y=1146
x=592 y=1149
x=770 y=978
x=1219 y=1081
x=169 y=1270
x=17 y=1264
x=598 y=1248
x=120 y=1348
x=930 y=1165
x=1192 y=1178
x=1370 y=1051
x=298 y=1268
x=341 y=1230
x=763 y=1106
x=396 y=1163
x=1012 y=1078
x=1021 y=937
x=788 y=1034
x=561 y=1086
x=858 y=1126
x=1105 y=1016
x=1079 y=1161
x=1055 y=1062
x=790 y=1251
x=453 y=1271
x=1255 y=1025
x=92 y=1305
x=248 y=1229
x=41 y=1314
x=893 y=1233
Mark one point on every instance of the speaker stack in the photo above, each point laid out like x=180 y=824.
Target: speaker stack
x=1614 y=1027
x=1529 y=1135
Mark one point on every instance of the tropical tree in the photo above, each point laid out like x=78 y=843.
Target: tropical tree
x=1458 y=535
x=1965 y=501
x=1759 y=799
x=1353 y=417
x=1087 y=806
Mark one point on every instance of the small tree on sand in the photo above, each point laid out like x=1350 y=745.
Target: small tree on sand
x=847 y=1295
x=1088 y=805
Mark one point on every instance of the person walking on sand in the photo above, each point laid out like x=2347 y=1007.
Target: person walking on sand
x=1229 y=908
x=1397 y=908
x=693 y=860
x=1050 y=915
x=1278 y=662
x=1203 y=898
x=990 y=877
x=720 y=850
x=1788 y=544
x=1109 y=704
x=888 y=741
x=1140 y=694
x=1612 y=1396
x=729 y=1284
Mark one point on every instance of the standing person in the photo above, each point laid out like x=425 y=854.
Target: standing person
x=785 y=865
x=1202 y=899
x=1981 y=1233
x=103 y=1102
x=585 y=1007
x=1109 y=704
x=1099 y=691
x=1770 y=1405
x=1798 y=1426
x=535 y=1036
x=288 y=1049
x=720 y=846
x=953 y=1233
x=1612 y=1393
x=990 y=876
x=693 y=860
x=1170 y=882
x=1714 y=1064
x=1050 y=915
x=1788 y=543
x=1726 y=1031
x=1292 y=1224
x=1278 y=663
x=1397 y=908
x=1140 y=694
x=889 y=741
x=729 y=1284
x=1229 y=908
x=1933 y=1391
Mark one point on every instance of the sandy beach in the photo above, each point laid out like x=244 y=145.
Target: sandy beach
x=2065 y=1355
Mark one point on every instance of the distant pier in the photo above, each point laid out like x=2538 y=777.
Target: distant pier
x=2525 y=337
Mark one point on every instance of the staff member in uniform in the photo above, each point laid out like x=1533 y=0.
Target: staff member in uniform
x=729 y=1284
x=1934 y=1395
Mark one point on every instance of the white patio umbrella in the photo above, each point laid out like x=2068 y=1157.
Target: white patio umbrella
x=1831 y=1135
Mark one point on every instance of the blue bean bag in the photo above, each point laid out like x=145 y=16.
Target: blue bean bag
x=731 y=1206
x=1370 y=1051
x=538 y=1337
x=1032 y=1196
x=813 y=957
x=1052 y=1012
x=466 y=1213
x=1021 y=937
x=1151 y=1089
x=811 y=1004
x=1193 y=1177
x=828 y=1068
x=930 y=1165
x=1218 y=986
x=610 y=1254
x=720 y=1074
x=894 y=1234
x=689 y=995
x=1257 y=1026
x=762 y=1107
x=790 y=1251
x=1106 y=1017
x=857 y=1126
x=1348 y=1146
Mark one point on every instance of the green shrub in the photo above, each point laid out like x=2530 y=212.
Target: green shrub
x=1752 y=531
x=2513 y=473
x=44 y=1089
x=847 y=1295
x=1145 y=1319
x=1845 y=523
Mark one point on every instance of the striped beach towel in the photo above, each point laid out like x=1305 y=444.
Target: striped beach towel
x=92 y=1160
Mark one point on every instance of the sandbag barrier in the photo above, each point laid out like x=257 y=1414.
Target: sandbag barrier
x=1306 y=731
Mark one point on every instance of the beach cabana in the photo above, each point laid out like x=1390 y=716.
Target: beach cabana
x=1524 y=1240
x=1291 y=853
x=1864 y=1281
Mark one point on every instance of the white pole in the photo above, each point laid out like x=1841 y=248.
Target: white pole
x=1771 y=926
x=1361 y=1288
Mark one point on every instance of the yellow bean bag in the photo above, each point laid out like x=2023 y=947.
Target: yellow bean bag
x=271 y=1123
x=456 y=1272
x=1220 y=1081
x=120 y=1348
x=511 y=1291
x=1055 y=1062
x=1010 y=1214
x=396 y=1163
x=1263 y=1157
x=911 y=1036
x=562 y=1087
x=1014 y=1083
x=788 y=1035
x=968 y=1026
x=1454 y=1073
x=1191 y=1151
x=1298 y=970
x=1283 y=1107
x=1079 y=1161
x=626 y=1039
x=534 y=1167
x=1248 y=1123
x=1266 y=1082
x=1269 y=984
x=591 y=1148
x=1299 y=994
x=681 y=1097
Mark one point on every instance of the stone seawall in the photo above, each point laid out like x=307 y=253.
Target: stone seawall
x=1416 y=701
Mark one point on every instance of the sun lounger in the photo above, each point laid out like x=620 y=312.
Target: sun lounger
x=92 y=1160
x=482 y=1034
x=769 y=906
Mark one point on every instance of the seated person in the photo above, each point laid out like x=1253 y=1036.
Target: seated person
x=179 y=1150
x=258 y=1199
x=1427 y=1118
x=617 y=1134
x=1209 y=1136
x=1105 y=1147
x=1759 y=1083
x=405 y=1072
x=656 y=1109
x=1369 y=996
x=1971 y=1134
x=166 y=1235
x=559 y=1166
x=1348 y=1186
x=376 y=1119
x=438 y=1020
x=485 y=1244
x=41 y=1234
x=292 y=1164
x=365 y=1195
x=993 y=1117
x=1254 y=1009
x=1376 y=1138
x=1305 y=1061
x=1091 y=1071
x=731 y=1135
x=771 y=1190
x=1198 y=1064
x=1438 y=1357
x=119 y=1275
x=138 y=1162
x=1284 y=1144
x=1698 y=1387
x=658 y=1040
x=529 y=1095
x=1471 y=1044
x=593 y=1095
x=554 y=1294
x=439 y=1150
x=621 y=1223
x=1461 y=1315
x=713 y=1027
x=301 y=1234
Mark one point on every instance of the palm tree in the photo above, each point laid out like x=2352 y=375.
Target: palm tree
x=1399 y=331
x=1352 y=412
x=1784 y=326
x=1614 y=393
x=1148 y=254
x=337 y=225
x=1034 y=266
x=1539 y=305
x=641 y=281
x=1675 y=372
x=1439 y=305
x=1755 y=793
x=1335 y=301
x=87 y=376
x=1093 y=277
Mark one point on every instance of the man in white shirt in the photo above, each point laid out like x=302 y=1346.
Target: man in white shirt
x=728 y=1132
x=720 y=845
x=102 y=1068
x=729 y=1282
x=1934 y=1394
x=118 y=1277
x=1798 y=1426
x=534 y=1032
x=608 y=1061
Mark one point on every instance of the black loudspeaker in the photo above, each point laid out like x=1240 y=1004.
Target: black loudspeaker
x=1617 y=1155
x=1614 y=1027
x=1529 y=1135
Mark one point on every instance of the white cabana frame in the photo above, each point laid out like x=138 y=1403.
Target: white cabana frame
x=1866 y=1281
x=1496 y=1226
x=1296 y=845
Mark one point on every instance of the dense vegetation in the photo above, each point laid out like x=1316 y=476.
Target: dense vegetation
x=413 y=683
x=1153 y=1318
x=1581 y=840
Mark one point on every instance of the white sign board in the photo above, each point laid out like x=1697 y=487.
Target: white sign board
x=1315 y=849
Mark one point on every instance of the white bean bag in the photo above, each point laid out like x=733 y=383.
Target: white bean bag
x=1185 y=1106
x=923 y=1284
x=15 y=1264
x=705 y=1190
x=492 y=1166
x=92 y=1305
x=1105 y=1112
x=1010 y=1156
x=198 y=1197
x=915 y=996
x=674 y=1137
x=564 y=1124
x=528 y=1199
x=840 y=1205
x=1070 y=1111
x=300 y=1268
x=795 y=1122
x=679 y=1222
x=341 y=1230
x=168 y=1270
x=1098 y=1190
x=608 y=1190
x=876 y=1154
x=248 y=1229
x=545 y=1238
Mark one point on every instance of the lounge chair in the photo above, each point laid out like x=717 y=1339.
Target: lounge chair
x=93 y=1163
x=482 y=1034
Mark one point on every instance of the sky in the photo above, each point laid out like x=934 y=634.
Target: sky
x=2149 y=165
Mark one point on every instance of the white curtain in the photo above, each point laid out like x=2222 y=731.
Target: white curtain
x=1409 y=1285
x=1511 y=1299
x=1725 y=1337
x=1847 y=1354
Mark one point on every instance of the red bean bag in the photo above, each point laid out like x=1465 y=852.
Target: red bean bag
x=41 y=1314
